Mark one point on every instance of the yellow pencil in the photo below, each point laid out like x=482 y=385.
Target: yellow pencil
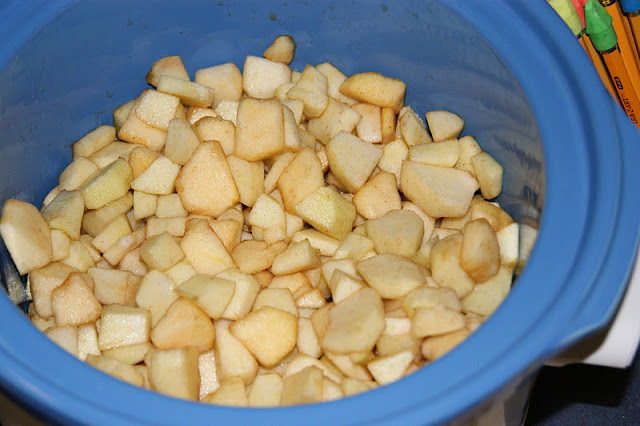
x=626 y=42
x=603 y=36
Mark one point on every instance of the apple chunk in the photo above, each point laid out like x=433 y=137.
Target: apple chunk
x=341 y=152
x=375 y=88
x=355 y=323
x=26 y=234
x=268 y=333
x=328 y=212
x=438 y=191
x=205 y=183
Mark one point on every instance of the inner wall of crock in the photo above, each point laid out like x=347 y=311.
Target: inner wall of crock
x=68 y=79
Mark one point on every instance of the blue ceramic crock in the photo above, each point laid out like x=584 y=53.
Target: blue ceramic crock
x=513 y=70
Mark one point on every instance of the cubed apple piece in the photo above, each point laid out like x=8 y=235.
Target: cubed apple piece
x=60 y=245
x=297 y=257
x=76 y=173
x=204 y=250
x=509 y=242
x=208 y=373
x=335 y=78
x=438 y=191
x=79 y=256
x=375 y=88
x=73 y=302
x=94 y=221
x=485 y=297
x=161 y=252
x=224 y=79
x=468 y=147
x=170 y=206
x=65 y=336
x=246 y=291
x=369 y=128
x=378 y=196
x=137 y=132
x=303 y=387
x=269 y=215
x=205 y=183
x=183 y=324
x=266 y=390
x=497 y=217
x=398 y=231
x=211 y=294
x=430 y=297
x=26 y=234
x=341 y=151
x=232 y=358
x=307 y=340
x=168 y=65
x=43 y=281
x=337 y=117
x=328 y=212
x=158 y=178
x=113 y=286
x=122 y=325
x=259 y=129
x=312 y=89
x=412 y=128
x=446 y=268
x=261 y=77
x=444 y=125
x=387 y=369
x=343 y=285
x=253 y=256
x=190 y=93
x=217 y=129
x=87 y=341
x=280 y=298
x=443 y=153
x=281 y=50
x=94 y=141
x=268 y=333
x=393 y=155
x=248 y=177
x=129 y=354
x=141 y=158
x=116 y=368
x=391 y=275
x=354 y=246
x=355 y=323
x=326 y=244
x=302 y=176
x=345 y=364
x=434 y=347
x=121 y=113
x=107 y=185
x=231 y=392
x=174 y=372
x=157 y=109
x=156 y=293
x=116 y=229
x=480 y=252
x=435 y=321
x=181 y=142
x=351 y=386
x=489 y=174
x=123 y=246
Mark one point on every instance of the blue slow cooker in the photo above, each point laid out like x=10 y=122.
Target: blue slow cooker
x=513 y=70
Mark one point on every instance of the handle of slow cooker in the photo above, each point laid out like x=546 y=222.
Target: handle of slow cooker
x=611 y=320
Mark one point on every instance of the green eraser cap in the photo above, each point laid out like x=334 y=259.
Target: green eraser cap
x=568 y=13
x=599 y=27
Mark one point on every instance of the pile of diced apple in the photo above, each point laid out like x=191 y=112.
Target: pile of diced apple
x=267 y=236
